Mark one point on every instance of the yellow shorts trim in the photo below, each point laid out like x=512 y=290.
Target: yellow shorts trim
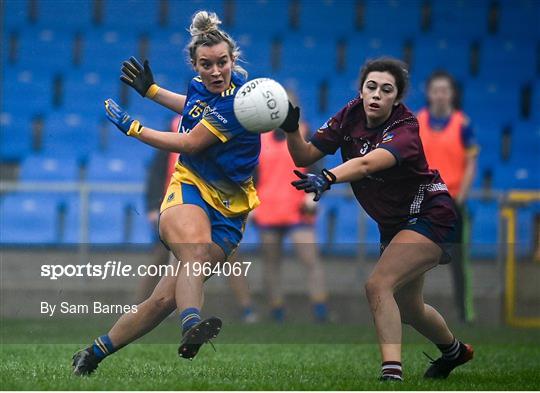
x=173 y=196
x=229 y=205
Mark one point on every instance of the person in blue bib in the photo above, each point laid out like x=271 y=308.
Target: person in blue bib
x=210 y=194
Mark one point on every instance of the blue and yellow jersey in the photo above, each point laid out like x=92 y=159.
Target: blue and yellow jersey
x=222 y=172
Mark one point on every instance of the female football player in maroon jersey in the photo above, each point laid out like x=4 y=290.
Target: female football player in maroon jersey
x=384 y=162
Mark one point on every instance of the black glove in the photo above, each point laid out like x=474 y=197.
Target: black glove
x=311 y=182
x=290 y=124
x=137 y=76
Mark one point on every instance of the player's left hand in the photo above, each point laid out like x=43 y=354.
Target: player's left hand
x=316 y=183
x=121 y=119
x=139 y=76
x=291 y=122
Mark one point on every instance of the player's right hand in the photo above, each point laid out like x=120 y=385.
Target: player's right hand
x=314 y=183
x=121 y=119
x=139 y=77
x=290 y=124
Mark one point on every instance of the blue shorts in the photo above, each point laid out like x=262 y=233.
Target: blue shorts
x=442 y=235
x=227 y=232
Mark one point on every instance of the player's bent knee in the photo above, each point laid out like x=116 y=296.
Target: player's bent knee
x=199 y=252
x=375 y=287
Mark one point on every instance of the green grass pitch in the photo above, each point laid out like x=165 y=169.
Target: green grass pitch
x=261 y=357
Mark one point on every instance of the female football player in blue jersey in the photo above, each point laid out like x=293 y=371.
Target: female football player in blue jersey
x=209 y=196
x=385 y=163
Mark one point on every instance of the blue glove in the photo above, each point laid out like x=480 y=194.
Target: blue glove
x=121 y=119
x=314 y=183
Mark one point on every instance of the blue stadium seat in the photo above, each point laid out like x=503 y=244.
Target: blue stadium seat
x=415 y=98
x=484 y=229
x=15 y=137
x=337 y=226
x=498 y=57
x=106 y=168
x=85 y=91
x=140 y=231
x=115 y=144
x=460 y=19
x=347 y=235
x=28 y=218
x=70 y=15
x=167 y=55
x=363 y=46
x=255 y=53
x=535 y=102
x=15 y=14
x=302 y=55
x=327 y=18
x=261 y=18
x=393 y=18
x=26 y=92
x=120 y=14
x=69 y=135
x=519 y=19
x=45 y=50
x=525 y=236
x=517 y=174
x=6 y=55
x=526 y=143
x=372 y=238
x=489 y=100
x=432 y=53
x=489 y=138
x=306 y=91
x=343 y=88
x=107 y=216
x=105 y=50
x=325 y=209
x=152 y=114
x=71 y=231
x=42 y=168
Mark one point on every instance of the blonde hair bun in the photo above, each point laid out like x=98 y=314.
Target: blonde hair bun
x=203 y=23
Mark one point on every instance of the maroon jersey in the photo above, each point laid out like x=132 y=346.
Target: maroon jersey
x=393 y=196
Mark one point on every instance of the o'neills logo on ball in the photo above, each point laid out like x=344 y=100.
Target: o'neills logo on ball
x=271 y=104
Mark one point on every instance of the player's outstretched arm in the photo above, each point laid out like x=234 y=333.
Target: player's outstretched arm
x=140 y=77
x=170 y=100
x=303 y=153
x=360 y=167
x=352 y=170
x=196 y=141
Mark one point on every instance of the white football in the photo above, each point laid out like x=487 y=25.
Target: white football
x=261 y=105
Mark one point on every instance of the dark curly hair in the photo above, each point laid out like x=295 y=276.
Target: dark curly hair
x=397 y=68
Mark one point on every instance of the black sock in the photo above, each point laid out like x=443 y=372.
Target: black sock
x=392 y=369
x=451 y=351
